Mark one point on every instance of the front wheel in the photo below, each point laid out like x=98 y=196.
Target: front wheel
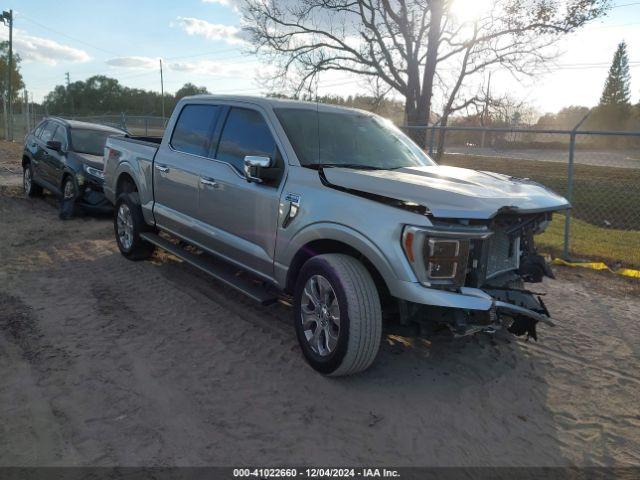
x=68 y=202
x=128 y=224
x=337 y=315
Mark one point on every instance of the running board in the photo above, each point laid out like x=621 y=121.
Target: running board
x=218 y=269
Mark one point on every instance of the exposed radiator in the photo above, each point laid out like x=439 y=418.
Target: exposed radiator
x=503 y=254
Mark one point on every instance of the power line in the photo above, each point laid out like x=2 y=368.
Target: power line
x=67 y=36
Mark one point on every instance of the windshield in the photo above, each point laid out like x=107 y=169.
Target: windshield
x=89 y=141
x=352 y=140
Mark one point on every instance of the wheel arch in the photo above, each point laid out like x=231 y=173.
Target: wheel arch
x=125 y=183
x=354 y=247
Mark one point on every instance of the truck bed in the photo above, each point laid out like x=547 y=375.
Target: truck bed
x=152 y=141
x=135 y=156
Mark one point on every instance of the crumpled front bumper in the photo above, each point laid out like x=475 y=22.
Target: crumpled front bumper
x=92 y=197
x=467 y=299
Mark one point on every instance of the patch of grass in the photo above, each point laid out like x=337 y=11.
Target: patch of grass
x=590 y=242
x=605 y=223
x=603 y=196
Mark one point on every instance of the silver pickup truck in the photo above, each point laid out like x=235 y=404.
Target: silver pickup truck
x=339 y=210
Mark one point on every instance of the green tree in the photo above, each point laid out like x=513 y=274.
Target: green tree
x=190 y=89
x=16 y=78
x=616 y=88
x=614 y=110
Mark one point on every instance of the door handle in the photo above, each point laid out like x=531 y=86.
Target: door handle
x=210 y=182
x=162 y=168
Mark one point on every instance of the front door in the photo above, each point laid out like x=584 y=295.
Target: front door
x=241 y=216
x=177 y=166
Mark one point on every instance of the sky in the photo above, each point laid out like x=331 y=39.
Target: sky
x=200 y=42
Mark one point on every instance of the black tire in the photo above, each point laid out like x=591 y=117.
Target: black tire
x=360 y=314
x=31 y=188
x=68 y=205
x=138 y=249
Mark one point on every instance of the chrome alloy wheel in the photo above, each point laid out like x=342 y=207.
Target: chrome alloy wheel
x=125 y=226
x=26 y=179
x=320 y=315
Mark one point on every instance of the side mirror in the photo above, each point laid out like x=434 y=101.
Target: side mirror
x=53 y=145
x=252 y=166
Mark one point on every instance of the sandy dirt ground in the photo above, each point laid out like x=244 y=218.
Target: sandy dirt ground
x=108 y=362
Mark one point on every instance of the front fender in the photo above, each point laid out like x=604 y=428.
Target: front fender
x=390 y=272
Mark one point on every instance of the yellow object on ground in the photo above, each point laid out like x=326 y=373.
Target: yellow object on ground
x=626 y=272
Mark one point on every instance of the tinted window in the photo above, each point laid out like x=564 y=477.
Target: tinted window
x=337 y=138
x=47 y=133
x=61 y=136
x=194 y=129
x=245 y=133
x=39 y=129
x=89 y=141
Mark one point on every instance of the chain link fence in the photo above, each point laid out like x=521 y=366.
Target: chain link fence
x=598 y=171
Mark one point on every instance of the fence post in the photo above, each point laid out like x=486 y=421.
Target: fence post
x=123 y=121
x=431 y=140
x=567 y=218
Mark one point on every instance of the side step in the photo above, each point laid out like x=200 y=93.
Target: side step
x=218 y=269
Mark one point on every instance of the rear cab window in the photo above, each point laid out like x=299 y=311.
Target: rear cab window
x=193 y=132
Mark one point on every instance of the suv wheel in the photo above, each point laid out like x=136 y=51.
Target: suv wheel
x=69 y=197
x=128 y=224
x=31 y=188
x=337 y=314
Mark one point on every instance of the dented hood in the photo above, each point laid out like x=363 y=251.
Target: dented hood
x=451 y=192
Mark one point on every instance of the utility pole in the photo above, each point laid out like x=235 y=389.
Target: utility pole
x=70 y=97
x=485 y=111
x=162 y=90
x=25 y=111
x=7 y=19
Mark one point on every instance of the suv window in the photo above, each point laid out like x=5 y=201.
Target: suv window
x=61 y=136
x=47 y=133
x=194 y=129
x=38 y=130
x=245 y=133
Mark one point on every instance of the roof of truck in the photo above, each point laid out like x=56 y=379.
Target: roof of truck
x=272 y=102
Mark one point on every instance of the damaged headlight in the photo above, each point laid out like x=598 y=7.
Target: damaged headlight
x=439 y=256
x=94 y=172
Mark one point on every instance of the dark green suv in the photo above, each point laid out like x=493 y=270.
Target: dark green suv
x=66 y=158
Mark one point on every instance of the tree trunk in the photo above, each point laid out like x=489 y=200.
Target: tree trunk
x=416 y=117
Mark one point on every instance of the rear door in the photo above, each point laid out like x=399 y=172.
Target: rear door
x=177 y=166
x=241 y=217
x=44 y=170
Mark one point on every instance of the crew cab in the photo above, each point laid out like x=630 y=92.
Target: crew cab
x=339 y=210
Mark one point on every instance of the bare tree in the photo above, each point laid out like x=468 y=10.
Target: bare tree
x=411 y=45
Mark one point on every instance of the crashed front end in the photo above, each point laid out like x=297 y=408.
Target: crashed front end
x=487 y=260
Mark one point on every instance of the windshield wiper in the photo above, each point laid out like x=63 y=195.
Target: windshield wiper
x=355 y=166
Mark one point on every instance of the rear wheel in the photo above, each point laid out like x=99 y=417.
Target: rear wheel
x=337 y=315
x=31 y=188
x=128 y=224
